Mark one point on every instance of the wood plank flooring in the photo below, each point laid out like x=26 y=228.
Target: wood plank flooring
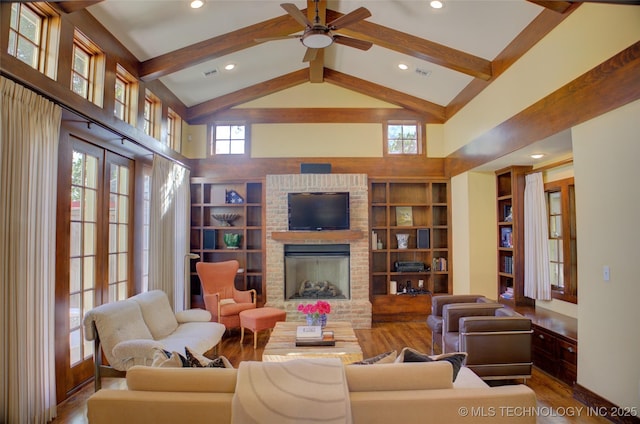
x=555 y=400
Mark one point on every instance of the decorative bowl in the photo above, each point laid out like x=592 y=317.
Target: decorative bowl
x=225 y=219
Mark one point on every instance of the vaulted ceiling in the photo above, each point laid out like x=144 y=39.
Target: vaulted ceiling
x=452 y=53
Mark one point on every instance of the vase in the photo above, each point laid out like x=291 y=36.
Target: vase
x=316 y=320
x=403 y=241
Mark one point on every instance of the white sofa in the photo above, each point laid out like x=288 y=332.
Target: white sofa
x=130 y=331
x=407 y=393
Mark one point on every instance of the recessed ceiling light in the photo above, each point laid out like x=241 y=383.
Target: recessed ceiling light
x=230 y=66
x=403 y=66
x=436 y=4
x=537 y=156
x=197 y=4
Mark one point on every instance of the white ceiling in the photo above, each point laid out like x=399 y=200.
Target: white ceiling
x=480 y=27
x=151 y=28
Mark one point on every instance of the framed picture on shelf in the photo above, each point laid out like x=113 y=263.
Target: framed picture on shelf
x=404 y=216
x=506 y=237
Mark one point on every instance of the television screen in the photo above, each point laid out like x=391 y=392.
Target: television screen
x=318 y=211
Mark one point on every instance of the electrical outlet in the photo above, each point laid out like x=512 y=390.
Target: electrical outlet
x=606 y=273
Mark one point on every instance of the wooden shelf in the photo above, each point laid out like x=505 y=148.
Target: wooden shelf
x=338 y=235
x=429 y=242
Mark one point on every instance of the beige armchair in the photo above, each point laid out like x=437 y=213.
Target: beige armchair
x=497 y=340
x=220 y=295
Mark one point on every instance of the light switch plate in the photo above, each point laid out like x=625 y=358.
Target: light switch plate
x=606 y=273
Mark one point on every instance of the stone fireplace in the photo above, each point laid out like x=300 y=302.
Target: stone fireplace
x=354 y=306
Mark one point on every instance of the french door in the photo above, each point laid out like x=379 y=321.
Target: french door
x=94 y=248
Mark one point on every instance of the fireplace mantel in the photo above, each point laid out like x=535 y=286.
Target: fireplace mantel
x=337 y=235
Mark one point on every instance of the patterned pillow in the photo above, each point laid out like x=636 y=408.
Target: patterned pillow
x=455 y=358
x=165 y=359
x=383 y=358
x=197 y=360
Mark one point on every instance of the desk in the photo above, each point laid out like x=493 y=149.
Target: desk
x=282 y=344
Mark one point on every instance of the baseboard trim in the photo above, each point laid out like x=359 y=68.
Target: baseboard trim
x=603 y=408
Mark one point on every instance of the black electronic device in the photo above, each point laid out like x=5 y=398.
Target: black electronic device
x=407 y=266
x=318 y=211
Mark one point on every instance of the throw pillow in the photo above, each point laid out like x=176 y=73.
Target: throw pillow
x=455 y=358
x=165 y=359
x=383 y=358
x=197 y=360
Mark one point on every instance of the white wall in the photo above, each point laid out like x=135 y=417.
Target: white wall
x=606 y=151
x=473 y=211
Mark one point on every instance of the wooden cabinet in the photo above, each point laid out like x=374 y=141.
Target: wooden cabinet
x=555 y=354
x=244 y=199
x=419 y=209
x=510 y=183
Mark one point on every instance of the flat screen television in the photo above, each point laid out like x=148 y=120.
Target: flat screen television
x=318 y=211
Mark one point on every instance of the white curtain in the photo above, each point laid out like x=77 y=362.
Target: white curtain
x=30 y=129
x=169 y=229
x=537 y=283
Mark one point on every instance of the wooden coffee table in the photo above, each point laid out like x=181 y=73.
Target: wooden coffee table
x=282 y=344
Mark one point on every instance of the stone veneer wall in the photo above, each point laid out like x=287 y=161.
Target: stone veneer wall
x=356 y=309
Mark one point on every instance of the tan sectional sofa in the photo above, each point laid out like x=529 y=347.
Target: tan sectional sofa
x=407 y=393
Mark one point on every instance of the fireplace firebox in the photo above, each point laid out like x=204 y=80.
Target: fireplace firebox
x=316 y=271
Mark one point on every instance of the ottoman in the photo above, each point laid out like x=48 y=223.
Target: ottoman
x=259 y=319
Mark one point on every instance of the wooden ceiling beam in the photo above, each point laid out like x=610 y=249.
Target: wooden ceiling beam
x=215 y=47
x=74 y=6
x=546 y=21
x=315 y=115
x=556 y=6
x=200 y=113
x=417 y=47
x=432 y=113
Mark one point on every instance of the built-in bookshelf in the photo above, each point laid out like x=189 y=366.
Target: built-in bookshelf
x=211 y=202
x=510 y=184
x=409 y=222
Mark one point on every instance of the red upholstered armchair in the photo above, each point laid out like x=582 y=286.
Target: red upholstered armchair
x=221 y=297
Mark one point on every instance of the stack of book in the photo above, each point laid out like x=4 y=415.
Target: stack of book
x=314 y=336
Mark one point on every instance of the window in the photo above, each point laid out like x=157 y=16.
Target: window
x=563 y=265
x=152 y=110
x=174 y=131
x=87 y=70
x=229 y=139
x=403 y=138
x=125 y=96
x=33 y=35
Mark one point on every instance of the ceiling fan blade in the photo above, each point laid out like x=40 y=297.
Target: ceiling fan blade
x=310 y=55
x=281 y=37
x=296 y=14
x=350 y=18
x=352 y=42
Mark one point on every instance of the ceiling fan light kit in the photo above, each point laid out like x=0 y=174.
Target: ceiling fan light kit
x=316 y=38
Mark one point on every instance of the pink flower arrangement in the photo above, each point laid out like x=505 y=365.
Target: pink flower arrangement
x=315 y=309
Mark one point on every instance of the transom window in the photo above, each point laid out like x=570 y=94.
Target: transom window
x=563 y=255
x=174 y=131
x=87 y=71
x=125 y=95
x=229 y=139
x=403 y=138
x=33 y=34
x=152 y=109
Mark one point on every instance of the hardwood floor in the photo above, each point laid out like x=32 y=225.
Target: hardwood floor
x=555 y=402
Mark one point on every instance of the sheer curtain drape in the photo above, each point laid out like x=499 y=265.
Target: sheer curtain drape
x=30 y=129
x=168 y=229
x=537 y=283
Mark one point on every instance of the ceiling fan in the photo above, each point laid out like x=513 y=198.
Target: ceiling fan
x=317 y=36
